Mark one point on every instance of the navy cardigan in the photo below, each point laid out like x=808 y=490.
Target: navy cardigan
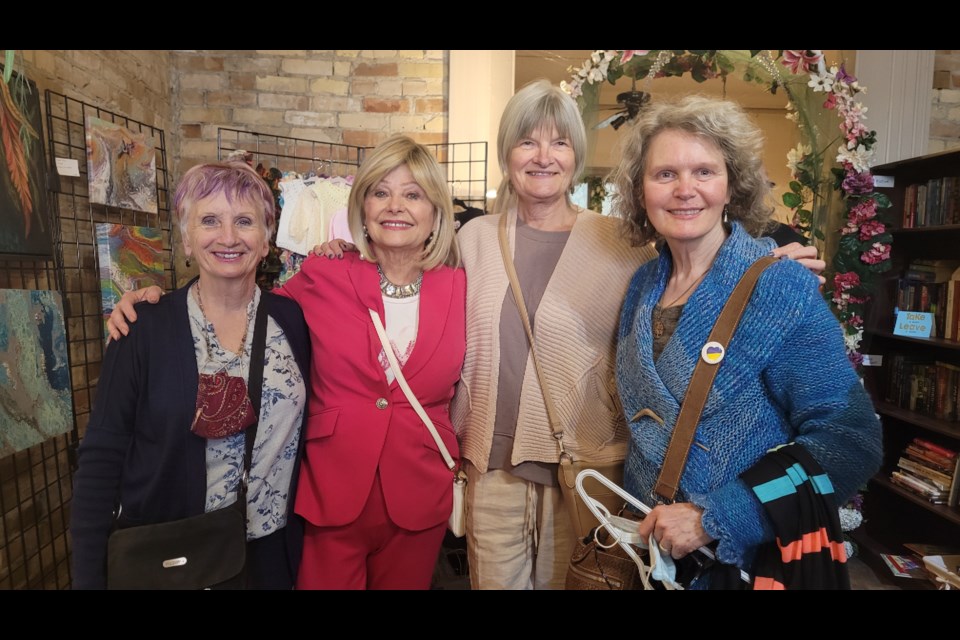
x=138 y=450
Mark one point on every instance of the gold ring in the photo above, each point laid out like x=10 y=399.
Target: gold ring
x=663 y=548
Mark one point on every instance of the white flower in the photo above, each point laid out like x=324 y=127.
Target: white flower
x=848 y=548
x=596 y=75
x=609 y=55
x=795 y=156
x=859 y=158
x=852 y=342
x=850 y=519
x=574 y=89
x=793 y=116
x=821 y=82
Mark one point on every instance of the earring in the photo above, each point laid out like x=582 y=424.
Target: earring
x=726 y=217
x=429 y=240
x=366 y=234
x=263 y=264
x=188 y=261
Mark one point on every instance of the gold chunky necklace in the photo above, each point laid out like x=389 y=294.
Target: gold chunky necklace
x=399 y=290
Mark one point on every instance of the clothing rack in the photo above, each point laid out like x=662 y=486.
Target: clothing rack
x=465 y=163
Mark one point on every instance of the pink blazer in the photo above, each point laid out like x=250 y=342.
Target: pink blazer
x=358 y=423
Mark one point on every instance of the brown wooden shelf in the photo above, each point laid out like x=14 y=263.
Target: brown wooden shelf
x=951 y=514
x=924 y=230
x=938 y=343
x=951 y=429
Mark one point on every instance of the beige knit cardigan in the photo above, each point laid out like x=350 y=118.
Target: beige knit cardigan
x=575 y=330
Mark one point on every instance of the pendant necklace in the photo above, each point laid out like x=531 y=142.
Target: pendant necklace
x=658 y=327
x=399 y=290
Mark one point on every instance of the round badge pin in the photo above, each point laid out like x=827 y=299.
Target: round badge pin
x=712 y=352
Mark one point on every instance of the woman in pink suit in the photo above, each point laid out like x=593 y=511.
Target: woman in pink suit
x=374 y=490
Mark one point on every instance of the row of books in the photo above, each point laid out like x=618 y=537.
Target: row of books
x=932 y=286
x=929 y=387
x=932 y=204
x=929 y=470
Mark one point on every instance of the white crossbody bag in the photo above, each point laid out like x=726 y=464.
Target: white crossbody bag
x=457 y=522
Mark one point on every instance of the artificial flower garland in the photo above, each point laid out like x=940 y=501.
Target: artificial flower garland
x=816 y=97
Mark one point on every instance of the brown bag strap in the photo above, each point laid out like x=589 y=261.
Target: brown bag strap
x=522 y=307
x=703 y=374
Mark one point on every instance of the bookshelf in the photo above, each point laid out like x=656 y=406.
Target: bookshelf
x=895 y=515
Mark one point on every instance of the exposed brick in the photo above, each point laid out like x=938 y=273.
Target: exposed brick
x=283 y=101
x=243 y=81
x=378 y=53
x=430 y=105
x=364 y=87
x=45 y=61
x=411 y=55
x=209 y=81
x=203 y=63
x=231 y=98
x=334 y=103
x=383 y=69
x=206 y=150
x=310 y=119
x=414 y=87
x=308 y=67
x=363 y=138
x=436 y=54
x=204 y=114
x=944 y=129
x=191 y=131
x=192 y=97
x=271 y=52
x=377 y=105
x=949 y=95
x=320 y=135
x=341 y=68
x=420 y=70
x=326 y=85
x=125 y=102
x=85 y=58
x=275 y=83
x=257 y=116
x=407 y=123
x=936 y=146
x=347 y=53
x=392 y=87
x=247 y=63
x=362 y=120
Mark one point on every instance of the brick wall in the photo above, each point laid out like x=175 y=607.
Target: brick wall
x=356 y=97
x=945 y=107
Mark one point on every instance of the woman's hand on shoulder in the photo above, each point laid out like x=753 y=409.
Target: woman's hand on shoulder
x=124 y=313
x=334 y=248
x=805 y=255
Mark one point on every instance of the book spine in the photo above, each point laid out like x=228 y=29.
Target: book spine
x=943 y=451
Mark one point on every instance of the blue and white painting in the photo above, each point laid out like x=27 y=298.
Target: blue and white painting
x=35 y=397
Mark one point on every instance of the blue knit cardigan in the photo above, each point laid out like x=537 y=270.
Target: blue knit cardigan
x=785 y=378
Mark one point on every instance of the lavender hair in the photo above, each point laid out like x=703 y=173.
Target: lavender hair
x=235 y=180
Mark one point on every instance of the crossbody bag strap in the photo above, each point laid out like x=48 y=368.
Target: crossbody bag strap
x=407 y=391
x=254 y=391
x=522 y=308
x=703 y=375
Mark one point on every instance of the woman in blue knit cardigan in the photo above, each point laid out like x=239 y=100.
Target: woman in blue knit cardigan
x=691 y=176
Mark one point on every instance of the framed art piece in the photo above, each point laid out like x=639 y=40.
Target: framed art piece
x=24 y=200
x=35 y=398
x=130 y=258
x=121 y=166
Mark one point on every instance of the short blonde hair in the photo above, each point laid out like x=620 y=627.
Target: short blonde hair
x=538 y=104
x=723 y=123
x=442 y=248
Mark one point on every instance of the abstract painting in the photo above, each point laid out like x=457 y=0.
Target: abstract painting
x=130 y=258
x=24 y=202
x=35 y=397
x=121 y=166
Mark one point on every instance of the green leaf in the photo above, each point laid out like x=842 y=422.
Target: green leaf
x=796 y=187
x=792 y=200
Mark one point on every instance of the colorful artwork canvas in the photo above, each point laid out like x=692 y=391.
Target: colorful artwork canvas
x=121 y=166
x=35 y=396
x=130 y=258
x=24 y=200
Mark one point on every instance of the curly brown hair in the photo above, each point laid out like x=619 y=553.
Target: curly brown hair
x=723 y=123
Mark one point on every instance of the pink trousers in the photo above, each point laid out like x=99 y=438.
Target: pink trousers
x=369 y=553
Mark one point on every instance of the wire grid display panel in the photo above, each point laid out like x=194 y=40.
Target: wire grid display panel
x=466 y=166
x=291 y=154
x=36 y=484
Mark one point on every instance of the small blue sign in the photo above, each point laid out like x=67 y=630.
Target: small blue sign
x=914 y=324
